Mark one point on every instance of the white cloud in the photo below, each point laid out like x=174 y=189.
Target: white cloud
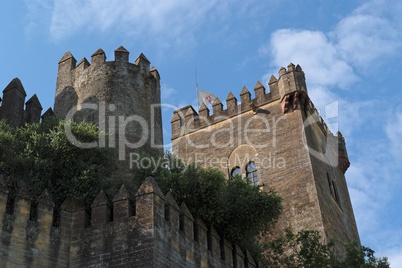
x=368 y=36
x=362 y=39
x=315 y=53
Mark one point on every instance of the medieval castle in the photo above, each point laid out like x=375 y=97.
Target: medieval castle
x=275 y=140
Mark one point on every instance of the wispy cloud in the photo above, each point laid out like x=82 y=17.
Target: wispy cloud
x=394 y=133
x=173 y=23
x=368 y=36
x=133 y=18
x=314 y=52
x=167 y=93
x=38 y=16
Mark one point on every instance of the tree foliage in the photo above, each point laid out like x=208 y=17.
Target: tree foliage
x=238 y=210
x=305 y=249
x=41 y=157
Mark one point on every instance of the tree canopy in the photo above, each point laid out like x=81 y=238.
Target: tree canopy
x=238 y=210
x=41 y=156
x=305 y=249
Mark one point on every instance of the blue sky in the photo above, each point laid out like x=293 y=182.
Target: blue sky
x=349 y=50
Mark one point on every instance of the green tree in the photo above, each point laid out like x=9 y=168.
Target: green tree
x=42 y=157
x=305 y=249
x=363 y=257
x=238 y=210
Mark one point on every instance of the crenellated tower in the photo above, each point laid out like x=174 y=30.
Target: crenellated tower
x=276 y=140
x=122 y=97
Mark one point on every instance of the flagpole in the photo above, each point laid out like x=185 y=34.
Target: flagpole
x=196 y=89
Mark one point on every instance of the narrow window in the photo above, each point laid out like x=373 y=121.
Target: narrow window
x=334 y=191
x=236 y=171
x=336 y=194
x=252 y=173
x=331 y=187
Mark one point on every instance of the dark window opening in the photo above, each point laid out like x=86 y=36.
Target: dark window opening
x=33 y=212
x=333 y=190
x=167 y=213
x=195 y=231
x=222 y=247
x=331 y=187
x=236 y=171
x=251 y=170
x=209 y=239
x=336 y=194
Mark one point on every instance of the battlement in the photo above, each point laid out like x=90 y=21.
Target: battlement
x=151 y=227
x=101 y=80
x=186 y=120
x=12 y=106
x=99 y=57
x=69 y=70
x=289 y=89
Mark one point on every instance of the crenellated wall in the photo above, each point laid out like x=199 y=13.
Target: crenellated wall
x=289 y=89
x=12 y=105
x=294 y=152
x=147 y=230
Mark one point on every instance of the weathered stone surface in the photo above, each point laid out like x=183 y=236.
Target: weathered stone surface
x=128 y=93
x=146 y=240
x=46 y=199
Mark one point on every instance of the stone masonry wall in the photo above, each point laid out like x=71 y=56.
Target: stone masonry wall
x=148 y=230
x=123 y=98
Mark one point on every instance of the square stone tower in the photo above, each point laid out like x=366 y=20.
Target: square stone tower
x=276 y=140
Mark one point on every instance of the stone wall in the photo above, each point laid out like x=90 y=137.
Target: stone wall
x=293 y=149
x=147 y=230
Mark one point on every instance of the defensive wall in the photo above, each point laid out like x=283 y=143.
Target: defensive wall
x=147 y=230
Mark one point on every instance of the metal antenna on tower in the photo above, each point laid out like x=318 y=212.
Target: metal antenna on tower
x=196 y=88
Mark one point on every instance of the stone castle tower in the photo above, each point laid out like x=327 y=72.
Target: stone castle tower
x=276 y=140
x=122 y=97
